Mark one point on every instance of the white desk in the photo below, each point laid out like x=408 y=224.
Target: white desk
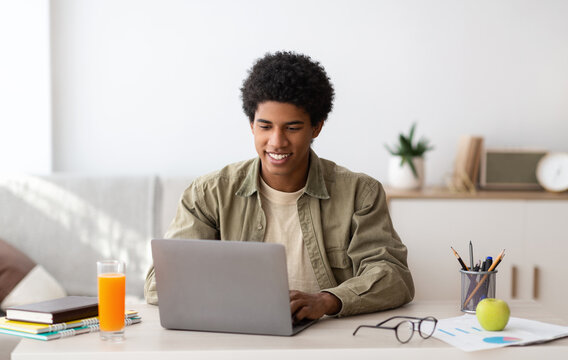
x=330 y=338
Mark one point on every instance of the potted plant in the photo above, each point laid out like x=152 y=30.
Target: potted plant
x=406 y=166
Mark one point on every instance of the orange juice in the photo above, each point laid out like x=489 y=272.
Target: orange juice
x=111 y=301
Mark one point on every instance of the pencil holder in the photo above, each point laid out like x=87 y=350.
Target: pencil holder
x=476 y=286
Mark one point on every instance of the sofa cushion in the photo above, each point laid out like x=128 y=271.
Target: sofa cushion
x=38 y=285
x=14 y=266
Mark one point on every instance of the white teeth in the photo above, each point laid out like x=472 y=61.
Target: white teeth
x=278 y=156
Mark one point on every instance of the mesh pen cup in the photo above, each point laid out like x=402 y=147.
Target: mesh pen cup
x=476 y=286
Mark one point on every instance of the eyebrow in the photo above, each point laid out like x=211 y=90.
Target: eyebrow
x=295 y=122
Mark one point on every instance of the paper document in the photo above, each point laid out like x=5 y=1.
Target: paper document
x=464 y=332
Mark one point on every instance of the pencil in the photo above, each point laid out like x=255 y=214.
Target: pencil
x=497 y=261
x=464 y=267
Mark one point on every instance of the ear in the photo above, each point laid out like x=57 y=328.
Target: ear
x=252 y=126
x=316 y=129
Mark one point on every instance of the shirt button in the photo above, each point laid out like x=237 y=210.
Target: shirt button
x=259 y=227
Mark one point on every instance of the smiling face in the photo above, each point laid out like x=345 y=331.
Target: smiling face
x=282 y=137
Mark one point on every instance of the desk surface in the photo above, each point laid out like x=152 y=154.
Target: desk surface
x=330 y=337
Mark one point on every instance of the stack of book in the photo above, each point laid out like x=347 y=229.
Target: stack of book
x=465 y=177
x=56 y=319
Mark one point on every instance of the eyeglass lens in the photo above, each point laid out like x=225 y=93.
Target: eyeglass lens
x=427 y=327
x=404 y=331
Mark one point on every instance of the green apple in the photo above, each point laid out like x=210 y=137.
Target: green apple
x=492 y=314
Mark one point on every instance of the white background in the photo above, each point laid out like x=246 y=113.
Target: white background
x=25 y=101
x=152 y=87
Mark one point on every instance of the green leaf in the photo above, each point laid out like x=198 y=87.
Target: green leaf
x=421 y=147
x=411 y=136
x=408 y=160
x=392 y=152
x=412 y=167
x=405 y=145
x=406 y=148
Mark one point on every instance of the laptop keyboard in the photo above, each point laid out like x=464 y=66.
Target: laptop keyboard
x=300 y=324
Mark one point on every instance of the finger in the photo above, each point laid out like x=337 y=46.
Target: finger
x=307 y=312
x=295 y=305
x=301 y=313
x=295 y=294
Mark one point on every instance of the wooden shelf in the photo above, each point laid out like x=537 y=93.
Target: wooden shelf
x=445 y=193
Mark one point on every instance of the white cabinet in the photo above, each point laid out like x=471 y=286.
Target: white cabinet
x=533 y=232
x=546 y=233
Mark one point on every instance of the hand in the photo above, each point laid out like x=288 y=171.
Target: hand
x=313 y=306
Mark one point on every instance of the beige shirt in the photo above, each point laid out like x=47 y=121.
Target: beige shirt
x=283 y=227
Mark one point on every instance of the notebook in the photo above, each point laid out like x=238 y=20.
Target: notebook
x=223 y=286
x=54 y=311
x=60 y=334
x=37 y=328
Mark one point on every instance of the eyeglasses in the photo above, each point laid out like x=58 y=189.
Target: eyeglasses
x=405 y=329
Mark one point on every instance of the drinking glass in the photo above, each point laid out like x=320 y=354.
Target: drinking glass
x=111 y=285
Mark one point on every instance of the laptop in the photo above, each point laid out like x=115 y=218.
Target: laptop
x=223 y=286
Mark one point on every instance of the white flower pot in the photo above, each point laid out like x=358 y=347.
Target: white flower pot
x=402 y=177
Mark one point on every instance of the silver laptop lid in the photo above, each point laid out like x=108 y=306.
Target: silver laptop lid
x=224 y=286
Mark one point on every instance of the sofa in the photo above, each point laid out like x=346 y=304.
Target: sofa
x=65 y=223
x=54 y=228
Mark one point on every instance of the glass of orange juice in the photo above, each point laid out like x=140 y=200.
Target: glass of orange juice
x=111 y=284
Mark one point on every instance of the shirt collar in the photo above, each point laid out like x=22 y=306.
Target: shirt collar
x=315 y=185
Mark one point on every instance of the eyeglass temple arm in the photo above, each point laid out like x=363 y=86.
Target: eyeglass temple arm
x=363 y=326
x=403 y=317
x=378 y=326
x=396 y=317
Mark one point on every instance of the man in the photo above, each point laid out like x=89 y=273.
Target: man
x=343 y=255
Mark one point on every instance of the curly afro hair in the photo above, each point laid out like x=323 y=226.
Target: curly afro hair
x=289 y=78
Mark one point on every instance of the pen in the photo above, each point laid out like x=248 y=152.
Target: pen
x=499 y=257
x=470 y=255
x=477 y=266
x=489 y=262
x=464 y=267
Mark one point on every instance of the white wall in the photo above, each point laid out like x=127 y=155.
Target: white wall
x=25 y=100
x=153 y=86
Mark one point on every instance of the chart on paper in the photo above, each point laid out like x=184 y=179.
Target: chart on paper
x=464 y=332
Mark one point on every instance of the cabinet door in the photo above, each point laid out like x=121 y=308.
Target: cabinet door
x=547 y=246
x=429 y=227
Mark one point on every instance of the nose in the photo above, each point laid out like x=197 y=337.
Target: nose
x=278 y=139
